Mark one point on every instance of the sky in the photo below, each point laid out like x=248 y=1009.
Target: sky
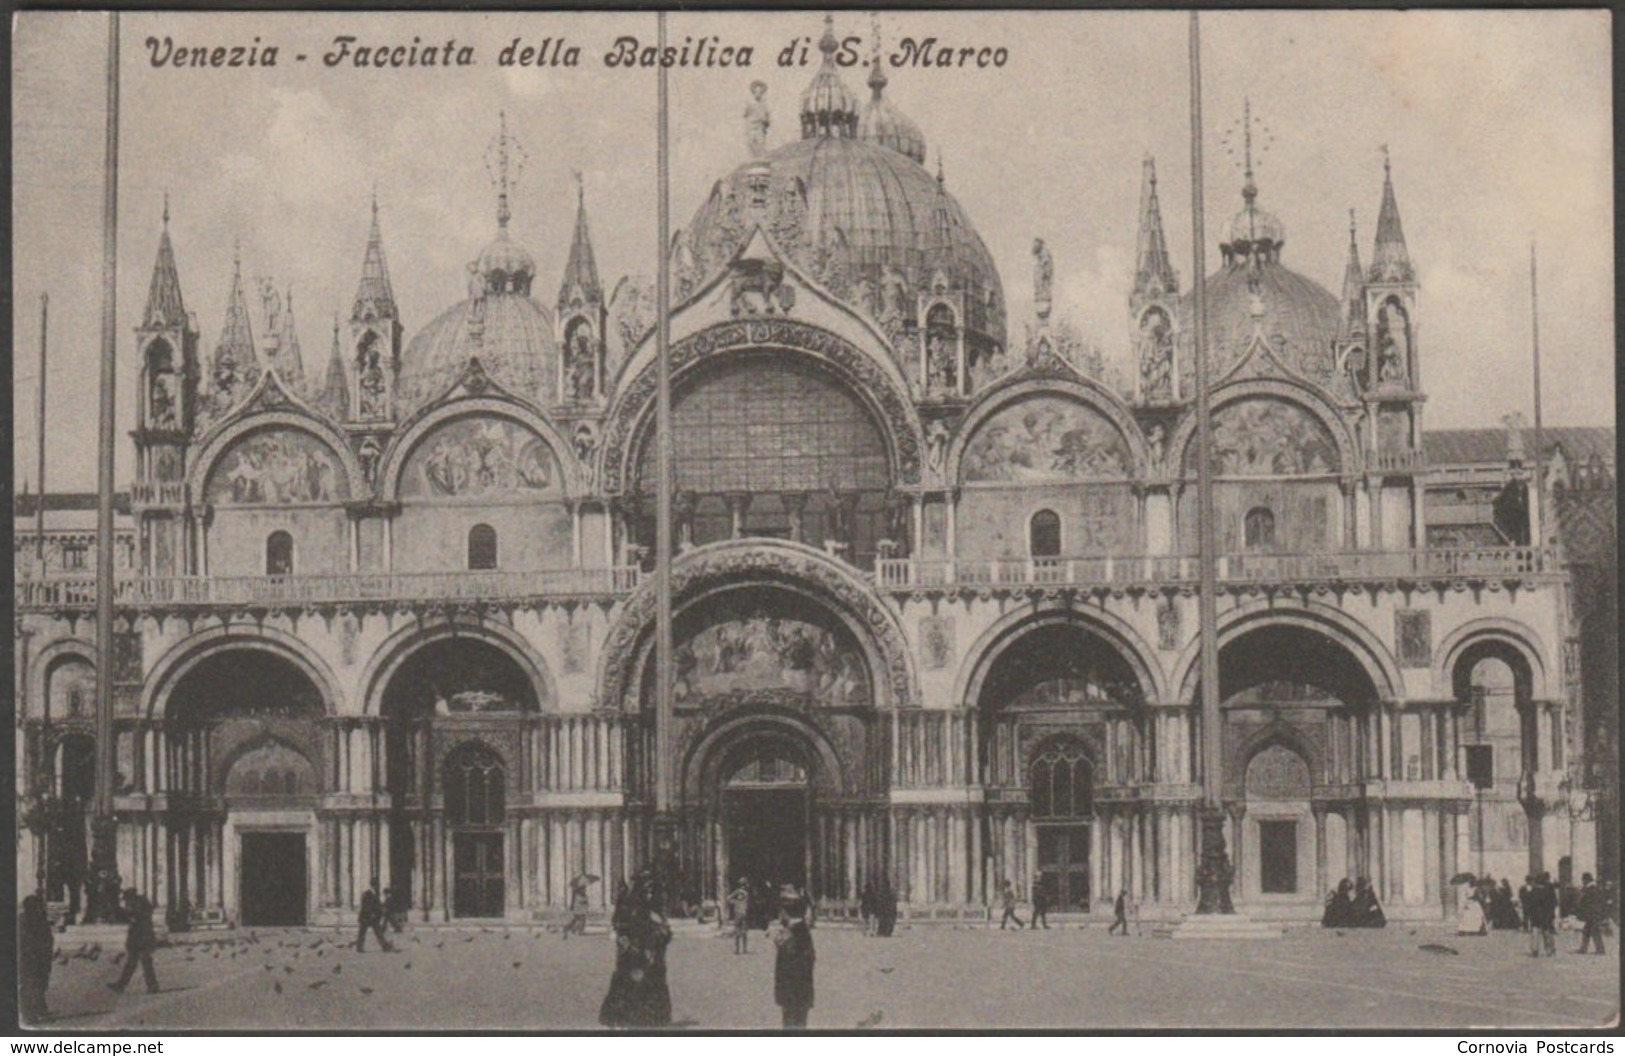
x=1498 y=124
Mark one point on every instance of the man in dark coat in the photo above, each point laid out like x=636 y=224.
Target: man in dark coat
x=1543 y=917
x=371 y=918
x=1526 y=894
x=139 y=942
x=1119 y=913
x=1040 y=906
x=1591 y=914
x=794 y=960
x=35 y=947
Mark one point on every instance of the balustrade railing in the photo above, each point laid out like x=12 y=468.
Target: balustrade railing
x=914 y=573
x=80 y=591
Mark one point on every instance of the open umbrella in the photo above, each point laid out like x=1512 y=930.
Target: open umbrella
x=1464 y=878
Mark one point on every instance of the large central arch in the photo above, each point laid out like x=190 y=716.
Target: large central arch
x=632 y=414
x=788 y=565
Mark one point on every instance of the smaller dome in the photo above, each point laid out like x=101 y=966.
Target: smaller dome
x=506 y=265
x=882 y=122
x=828 y=106
x=1252 y=230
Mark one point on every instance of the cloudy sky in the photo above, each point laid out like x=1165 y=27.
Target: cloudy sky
x=1498 y=124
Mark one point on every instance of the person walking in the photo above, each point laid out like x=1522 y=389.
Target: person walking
x=1543 y=918
x=1008 y=897
x=139 y=942
x=1040 y=906
x=578 y=906
x=1591 y=914
x=866 y=908
x=794 y=960
x=1119 y=913
x=1525 y=893
x=739 y=912
x=36 y=945
x=371 y=918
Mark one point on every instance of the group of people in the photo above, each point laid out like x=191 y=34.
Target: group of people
x=36 y=952
x=1536 y=910
x=1353 y=904
x=877 y=906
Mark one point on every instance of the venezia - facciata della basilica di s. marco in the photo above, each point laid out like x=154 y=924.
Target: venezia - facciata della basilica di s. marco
x=387 y=613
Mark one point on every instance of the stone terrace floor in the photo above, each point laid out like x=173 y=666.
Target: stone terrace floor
x=927 y=977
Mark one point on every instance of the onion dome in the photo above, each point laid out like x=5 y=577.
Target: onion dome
x=882 y=122
x=511 y=334
x=828 y=106
x=861 y=215
x=514 y=343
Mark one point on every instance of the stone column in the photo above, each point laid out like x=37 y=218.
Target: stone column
x=1321 y=882
x=738 y=507
x=795 y=505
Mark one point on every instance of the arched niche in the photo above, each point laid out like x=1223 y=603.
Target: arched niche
x=1277 y=773
x=765 y=645
x=457 y=676
x=480 y=458
x=270 y=769
x=1049 y=450
x=277 y=466
x=1268 y=435
x=1045 y=438
x=70 y=687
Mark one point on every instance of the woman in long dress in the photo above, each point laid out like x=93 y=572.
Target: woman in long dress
x=638 y=994
x=794 y=959
x=1471 y=921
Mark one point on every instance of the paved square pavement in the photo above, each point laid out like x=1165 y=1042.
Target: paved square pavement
x=928 y=977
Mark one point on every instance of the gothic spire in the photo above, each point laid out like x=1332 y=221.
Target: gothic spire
x=581 y=271
x=374 y=297
x=334 y=397
x=1390 y=260
x=1154 y=273
x=1353 y=287
x=165 y=308
x=290 y=361
x=236 y=368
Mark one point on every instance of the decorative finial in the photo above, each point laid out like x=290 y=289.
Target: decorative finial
x=375 y=199
x=828 y=44
x=166 y=208
x=1151 y=171
x=581 y=187
x=941 y=181
x=505 y=159
x=1387 y=162
x=1249 y=190
x=237 y=255
x=877 y=72
x=1351 y=225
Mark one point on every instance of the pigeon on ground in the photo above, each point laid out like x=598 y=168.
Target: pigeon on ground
x=269 y=967
x=277 y=987
x=409 y=966
x=887 y=971
x=366 y=989
x=518 y=964
x=440 y=945
x=317 y=985
x=287 y=969
x=872 y=1019
x=1438 y=947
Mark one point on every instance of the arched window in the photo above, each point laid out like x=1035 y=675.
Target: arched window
x=1061 y=782
x=474 y=787
x=279 y=554
x=1044 y=534
x=482 y=548
x=1259 y=527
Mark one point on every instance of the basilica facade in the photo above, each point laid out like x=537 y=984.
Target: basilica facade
x=935 y=592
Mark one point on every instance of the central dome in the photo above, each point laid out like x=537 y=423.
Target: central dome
x=851 y=202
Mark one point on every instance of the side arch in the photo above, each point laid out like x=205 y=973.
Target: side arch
x=194 y=649
x=1366 y=648
x=39 y=668
x=1306 y=397
x=401 y=447
x=297 y=421
x=1517 y=636
x=393 y=652
x=1008 y=629
x=1085 y=391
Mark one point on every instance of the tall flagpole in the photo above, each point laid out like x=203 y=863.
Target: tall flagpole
x=1538 y=535
x=1214 y=871
x=664 y=742
x=102 y=825
x=39 y=508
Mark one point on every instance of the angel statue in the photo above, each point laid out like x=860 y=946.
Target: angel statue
x=1043 y=277
x=757 y=119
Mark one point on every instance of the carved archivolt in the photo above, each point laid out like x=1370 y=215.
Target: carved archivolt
x=858 y=370
x=759 y=561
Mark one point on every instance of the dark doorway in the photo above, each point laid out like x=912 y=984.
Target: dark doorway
x=767 y=834
x=1063 y=866
x=272 y=866
x=1278 y=857
x=477 y=872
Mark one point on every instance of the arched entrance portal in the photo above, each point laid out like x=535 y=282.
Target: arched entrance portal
x=765 y=805
x=243 y=730
x=455 y=712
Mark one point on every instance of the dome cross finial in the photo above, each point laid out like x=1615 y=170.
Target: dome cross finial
x=505 y=159
x=166 y=208
x=827 y=43
x=877 y=74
